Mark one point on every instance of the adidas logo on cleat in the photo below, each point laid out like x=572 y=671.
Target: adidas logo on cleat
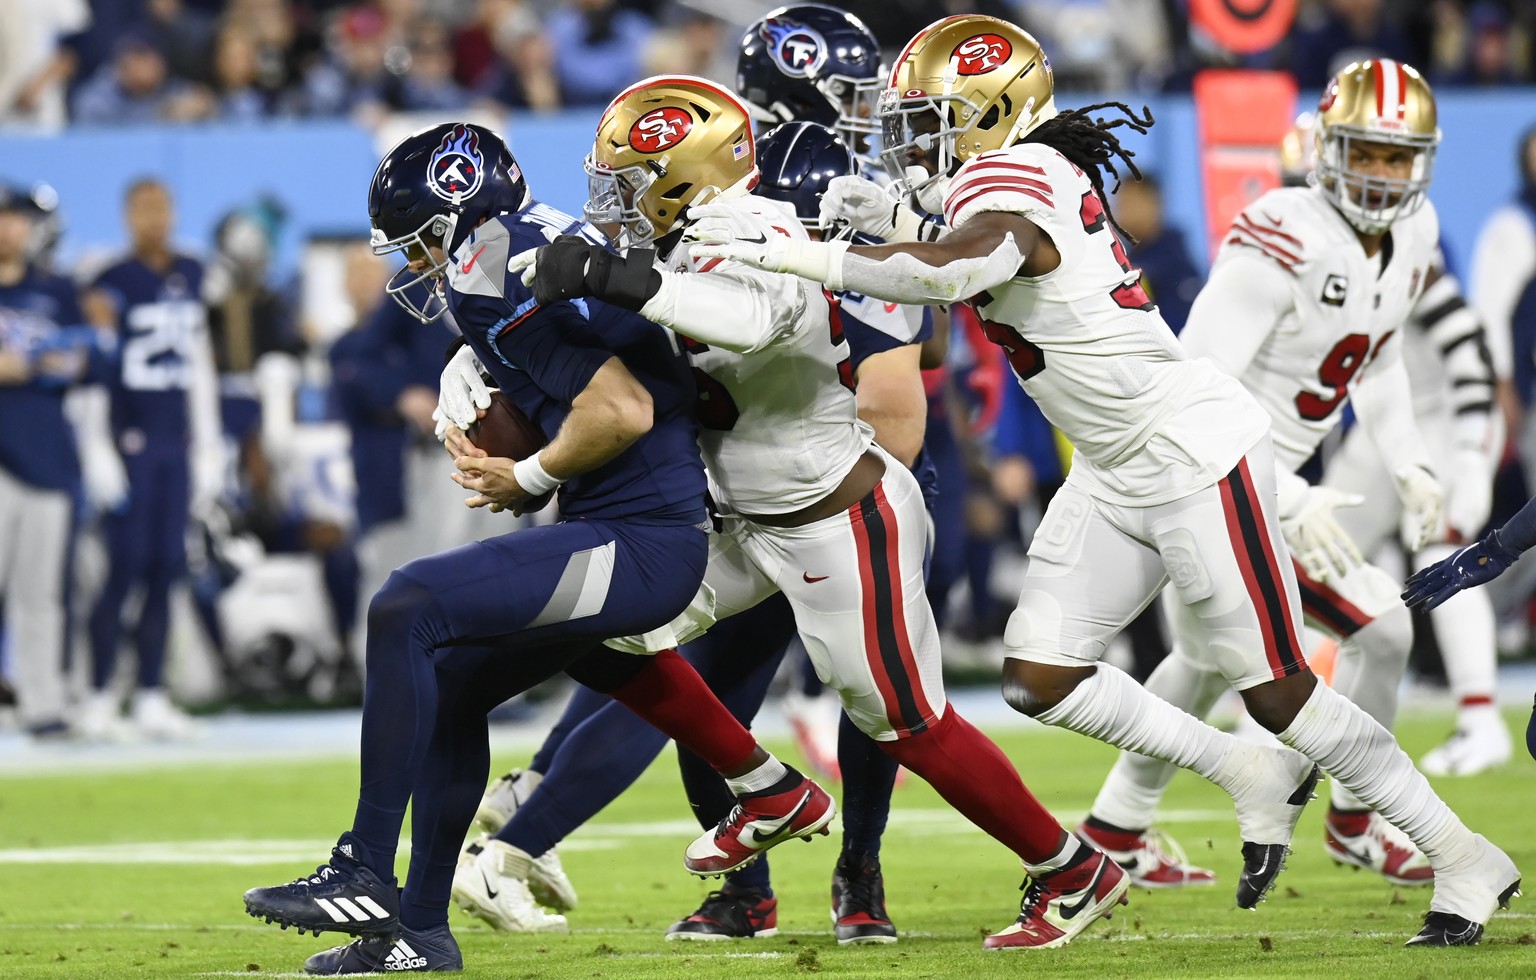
x=403 y=958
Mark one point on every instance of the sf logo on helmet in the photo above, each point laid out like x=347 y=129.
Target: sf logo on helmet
x=982 y=53
x=797 y=50
x=660 y=129
x=457 y=168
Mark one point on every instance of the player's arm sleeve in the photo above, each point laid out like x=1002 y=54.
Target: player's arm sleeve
x=1458 y=334
x=1244 y=300
x=727 y=305
x=1503 y=261
x=1384 y=404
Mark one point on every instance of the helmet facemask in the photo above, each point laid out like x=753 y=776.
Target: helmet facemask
x=613 y=200
x=1369 y=202
x=915 y=126
x=427 y=283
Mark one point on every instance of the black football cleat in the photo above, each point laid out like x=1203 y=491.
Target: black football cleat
x=1262 y=864
x=1447 y=929
x=342 y=896
x=403 y=951
x=858 y=902
x=730 y=913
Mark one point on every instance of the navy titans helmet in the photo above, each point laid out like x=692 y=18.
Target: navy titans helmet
x=433 y=189
x=797 y=161
x=814 y=63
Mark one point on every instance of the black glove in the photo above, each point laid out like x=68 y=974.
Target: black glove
x=571 y=266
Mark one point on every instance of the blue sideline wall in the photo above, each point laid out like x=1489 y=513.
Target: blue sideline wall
x=320 y=170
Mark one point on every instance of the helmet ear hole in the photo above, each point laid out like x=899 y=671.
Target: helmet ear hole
x=990 y=119
x=677 y=193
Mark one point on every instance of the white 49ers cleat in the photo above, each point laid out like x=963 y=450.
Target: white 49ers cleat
x=1150 y=857
x=1058 y=906
x=491 y=884
x=1465 y=900
x=1365 y=840
x=1481 y=742
x=503 y=797
x=757 y=823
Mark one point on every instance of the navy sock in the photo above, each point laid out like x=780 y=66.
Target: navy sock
x=154 y=626
x=869 y=775
x=453 y=776
x=399 y=715
x=342 y=581
x=600 y=758
x=584 y=703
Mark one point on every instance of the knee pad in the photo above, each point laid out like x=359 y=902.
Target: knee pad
x=397 y=604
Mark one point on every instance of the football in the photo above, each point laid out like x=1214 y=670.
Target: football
x=506 y=431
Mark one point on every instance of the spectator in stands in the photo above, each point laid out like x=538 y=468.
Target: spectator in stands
x=1334 y=31
x=272 y=27
x=692 y=44
x=350 y=79
x=236 y=71
x=1160 y=252
x=37 y=58
x=184 y=36
x=598 y=46
x=426 y=81
x=136 y=87
x=522 y=73
x=1487 y=58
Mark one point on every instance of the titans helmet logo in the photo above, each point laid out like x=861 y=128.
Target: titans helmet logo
x=797 y=51
x=457 y=168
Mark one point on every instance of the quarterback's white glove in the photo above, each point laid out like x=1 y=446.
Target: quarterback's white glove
x=1470 y=499
x=460 y=392
x=1316 y=540
x=865 y=206
x=1421 y=495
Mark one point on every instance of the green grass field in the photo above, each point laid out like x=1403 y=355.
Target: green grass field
x=140 y=873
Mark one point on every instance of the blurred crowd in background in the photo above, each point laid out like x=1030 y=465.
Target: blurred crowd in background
x=116 y=62
x=324 y=474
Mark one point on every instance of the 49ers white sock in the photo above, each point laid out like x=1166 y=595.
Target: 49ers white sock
x=1354 y=749
x=758 y=779
x=1369 y=672
x=1113 y=708
x=1131 y=793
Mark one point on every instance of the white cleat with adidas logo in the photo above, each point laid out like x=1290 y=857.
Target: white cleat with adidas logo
x=491 y=884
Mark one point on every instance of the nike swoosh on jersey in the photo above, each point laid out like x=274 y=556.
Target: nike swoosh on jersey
x=1070 y=911
x=813 y=579
x=469 y=263
x=758 y=837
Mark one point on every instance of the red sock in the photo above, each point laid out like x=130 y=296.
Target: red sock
x=974 y=777
x=672 y=696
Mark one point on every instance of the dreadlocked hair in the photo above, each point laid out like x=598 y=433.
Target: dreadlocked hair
x=1092 y=148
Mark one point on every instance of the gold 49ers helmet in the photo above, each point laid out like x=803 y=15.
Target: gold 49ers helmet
x=664 y=144
x=964 y=85
x=1376 y=101
x=1298 y=152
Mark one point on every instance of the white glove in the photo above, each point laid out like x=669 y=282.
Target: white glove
x=1316 y=540
x=1421 y=495
x=1470 y=499
x=869 y=208
x=460 y=391
x=207 y=477
x=106 y=481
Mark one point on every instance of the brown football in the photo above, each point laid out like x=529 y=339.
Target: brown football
x=506 y=431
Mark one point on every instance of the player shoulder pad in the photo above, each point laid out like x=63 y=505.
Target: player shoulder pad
x=479 y=267
x=888 y=318
x=1027 y=179
x=1282 y=225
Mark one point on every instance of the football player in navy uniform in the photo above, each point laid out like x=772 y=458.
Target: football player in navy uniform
x=44 y=350
x=452 y=635
x=166 y=428
x=596 y=750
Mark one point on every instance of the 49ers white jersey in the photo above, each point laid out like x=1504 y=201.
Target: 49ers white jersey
x=1149 y=423
x=1346 y=315
x=778 y=425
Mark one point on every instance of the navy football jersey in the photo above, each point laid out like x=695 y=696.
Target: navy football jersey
x=41 y=313
x=159 y=318
x=543 y=356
